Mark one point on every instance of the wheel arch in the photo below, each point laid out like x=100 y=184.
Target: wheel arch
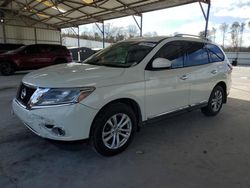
x=60 y=59
x=12 y=62
x=128 y=101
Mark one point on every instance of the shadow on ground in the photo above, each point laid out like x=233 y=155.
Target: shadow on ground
x=189 y=150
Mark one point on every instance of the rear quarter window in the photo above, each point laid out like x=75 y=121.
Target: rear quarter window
x=59 y=49
x=215 y=53
x=196 y=54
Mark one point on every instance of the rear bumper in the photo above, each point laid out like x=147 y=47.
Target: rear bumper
x=74 y=120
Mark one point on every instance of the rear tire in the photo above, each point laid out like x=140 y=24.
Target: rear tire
x=60 y=61
x=215 y=102
x=6 y=68
x=113 y=129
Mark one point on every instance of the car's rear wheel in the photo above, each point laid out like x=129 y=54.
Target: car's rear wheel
x=215 y=102
x=60 y=61
x=113 y=129
x=6 y=68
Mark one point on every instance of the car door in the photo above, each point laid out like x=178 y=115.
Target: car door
x=28 y=57
x=44 y=58
x=201 y=72
x=167 y=90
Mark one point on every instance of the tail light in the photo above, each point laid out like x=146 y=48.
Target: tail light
x=230 y=66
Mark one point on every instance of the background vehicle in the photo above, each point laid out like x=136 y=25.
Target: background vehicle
x=9 y=47
x=117 y=89
x=33 y=57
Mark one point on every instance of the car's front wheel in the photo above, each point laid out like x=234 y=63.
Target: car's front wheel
x=113 y=129
x=215 y=102
x=6 y=68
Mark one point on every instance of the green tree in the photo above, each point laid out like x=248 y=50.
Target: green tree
x=235 y=31
x=224 y=29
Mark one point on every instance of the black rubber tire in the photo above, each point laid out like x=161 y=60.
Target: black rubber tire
x=208 y=111
x=6 y=68
x=101 y=119
x=60 y=61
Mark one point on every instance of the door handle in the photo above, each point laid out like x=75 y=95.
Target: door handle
x=214 y=71
x=183 y=77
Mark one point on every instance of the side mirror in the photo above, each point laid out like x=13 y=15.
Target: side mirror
x=160 y=63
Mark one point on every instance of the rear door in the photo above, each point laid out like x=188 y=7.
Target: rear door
x=28 y=57
x=45 y=57
x=202 y=72
x=167 y=89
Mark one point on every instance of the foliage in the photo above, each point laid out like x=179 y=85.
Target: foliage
x=112 y=33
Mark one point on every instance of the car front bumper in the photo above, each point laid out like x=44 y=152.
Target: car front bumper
x=66 y=122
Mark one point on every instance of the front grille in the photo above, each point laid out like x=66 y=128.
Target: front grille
x=24 y=93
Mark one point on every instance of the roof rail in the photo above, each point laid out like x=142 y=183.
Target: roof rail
x=189 y=35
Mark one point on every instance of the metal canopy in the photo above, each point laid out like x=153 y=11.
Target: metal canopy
x=72 y=13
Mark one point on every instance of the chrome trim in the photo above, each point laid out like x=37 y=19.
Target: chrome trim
x=168 y=112
x=179 y=109
x=196 y=104
x=54 y=105
x=40 y=107
x=30 y=128
x=19 y=103
x=29 y=85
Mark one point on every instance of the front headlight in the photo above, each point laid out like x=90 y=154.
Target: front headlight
x=46 y=97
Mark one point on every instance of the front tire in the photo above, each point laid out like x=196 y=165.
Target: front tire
x=6 y=68
x=215 y=102
x=113 y=129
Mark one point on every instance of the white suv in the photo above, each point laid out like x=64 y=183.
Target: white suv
x=112 y=93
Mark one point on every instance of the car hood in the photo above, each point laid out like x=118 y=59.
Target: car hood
x=73 y=75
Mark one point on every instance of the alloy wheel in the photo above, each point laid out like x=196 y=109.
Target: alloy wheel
x=117 y=131
x=216 y=100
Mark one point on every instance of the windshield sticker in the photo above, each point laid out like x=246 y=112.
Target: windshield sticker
x=147 y=44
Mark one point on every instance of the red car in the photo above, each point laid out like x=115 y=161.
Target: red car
x=33 y=57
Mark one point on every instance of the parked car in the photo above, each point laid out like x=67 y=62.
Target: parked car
x=33 y=57
x=8 y=47
x=115 y=91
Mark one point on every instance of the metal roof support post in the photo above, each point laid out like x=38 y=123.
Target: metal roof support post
x=139 y=26
x=35 y=35
x=207 y=18
x=79 y=51
x=206 y=15
x=60 y=30
x=78 y=36
x=103 y=35
x=4 y=34
x=102 y=30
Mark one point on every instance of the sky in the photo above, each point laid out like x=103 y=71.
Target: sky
x=189 y=19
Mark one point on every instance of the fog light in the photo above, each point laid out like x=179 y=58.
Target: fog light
x=48 y=126
x=58 y=131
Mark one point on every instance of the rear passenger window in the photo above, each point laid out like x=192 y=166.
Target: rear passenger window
x=172 y=51
x=215 y=53
x=196 y=54
x=58 y=48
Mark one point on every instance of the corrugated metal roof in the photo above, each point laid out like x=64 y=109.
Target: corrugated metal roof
x=69 y=13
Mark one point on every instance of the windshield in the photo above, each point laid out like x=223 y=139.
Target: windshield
x=16 y=50
x=123 y=54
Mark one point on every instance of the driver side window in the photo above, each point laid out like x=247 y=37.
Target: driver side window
x=172 y=51
x=31 y=50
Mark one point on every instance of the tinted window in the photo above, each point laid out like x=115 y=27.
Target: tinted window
x=122 y=54
x=42 y=48
x=172 y=51
x=215 y=53
x=196 y=54
x=33 y=49
x=57 y=48
x=7 y=47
